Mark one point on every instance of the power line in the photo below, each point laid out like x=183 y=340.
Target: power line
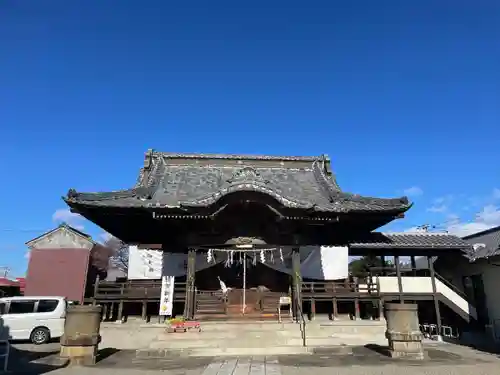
x=24 y=230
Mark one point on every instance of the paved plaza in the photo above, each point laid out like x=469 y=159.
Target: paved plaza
x=442 y=359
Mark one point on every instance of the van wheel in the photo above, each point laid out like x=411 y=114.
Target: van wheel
x=40 y=336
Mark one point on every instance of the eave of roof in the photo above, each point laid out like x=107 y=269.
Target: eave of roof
x=485 y=244
x=379 y=240
x=313 y=188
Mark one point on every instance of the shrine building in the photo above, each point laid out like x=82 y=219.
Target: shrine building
x=239 y=235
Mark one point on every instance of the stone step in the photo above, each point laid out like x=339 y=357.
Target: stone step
x=215 y=351
x=264 y=342
x=296 y=333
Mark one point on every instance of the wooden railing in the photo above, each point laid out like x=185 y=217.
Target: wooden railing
x=327 y=290
x=215 y=302
x=136 y=290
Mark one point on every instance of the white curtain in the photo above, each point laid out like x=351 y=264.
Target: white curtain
x=317 y=262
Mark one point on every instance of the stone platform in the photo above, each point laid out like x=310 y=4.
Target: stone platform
x=264 y=338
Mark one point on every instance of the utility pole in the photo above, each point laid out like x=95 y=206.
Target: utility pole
x=4 y=271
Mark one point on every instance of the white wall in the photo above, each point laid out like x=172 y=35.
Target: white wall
x=323 y=263
x=458 y=267
x=389 y=284
x=144 y=264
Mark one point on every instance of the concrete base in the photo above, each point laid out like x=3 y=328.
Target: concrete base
x=406 y=349
x=79 y=355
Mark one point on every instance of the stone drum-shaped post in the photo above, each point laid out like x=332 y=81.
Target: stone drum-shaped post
x=81 y=334
x=403 y=332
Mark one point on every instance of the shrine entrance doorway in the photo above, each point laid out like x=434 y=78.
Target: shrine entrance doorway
x=240 y=290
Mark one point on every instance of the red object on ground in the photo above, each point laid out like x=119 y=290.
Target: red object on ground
x=184 y=326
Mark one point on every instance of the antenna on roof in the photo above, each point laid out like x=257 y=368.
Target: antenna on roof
x=426 y=228
x=4 y=271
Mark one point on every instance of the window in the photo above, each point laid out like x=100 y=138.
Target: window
x=47 y=305
x=2 y=308
x=21 y=307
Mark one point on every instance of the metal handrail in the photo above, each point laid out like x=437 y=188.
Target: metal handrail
x=452 y=287
x=302 y=322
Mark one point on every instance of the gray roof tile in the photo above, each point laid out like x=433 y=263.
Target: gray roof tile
x=198 y=180
x=485 y=244
x=410 y=240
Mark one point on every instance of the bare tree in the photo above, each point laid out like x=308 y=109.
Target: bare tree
x=119 y=257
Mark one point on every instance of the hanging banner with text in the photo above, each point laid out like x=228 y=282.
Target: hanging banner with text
x=167 y=295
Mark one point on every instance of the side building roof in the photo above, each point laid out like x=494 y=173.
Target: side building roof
x=414 y=243
x=485 y=244
x=193 y=181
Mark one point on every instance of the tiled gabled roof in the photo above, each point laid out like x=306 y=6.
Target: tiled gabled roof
x=411 y=241
x=59 y=227
x=199 y=180
x=485 y=244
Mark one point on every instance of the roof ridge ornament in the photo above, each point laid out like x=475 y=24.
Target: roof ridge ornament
x=247 y=174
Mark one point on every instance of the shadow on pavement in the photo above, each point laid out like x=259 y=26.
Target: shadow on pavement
x=23 y=361
x=106 y=353
x=482 y=345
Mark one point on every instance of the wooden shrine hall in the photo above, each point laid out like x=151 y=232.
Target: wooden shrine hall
x=246 y=204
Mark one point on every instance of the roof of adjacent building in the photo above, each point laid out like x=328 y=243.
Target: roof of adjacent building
x=176 y=180
x=377 y=240
x=62 y=226
x=485 y=244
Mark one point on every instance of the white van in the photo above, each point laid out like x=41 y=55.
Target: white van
x=32 y=318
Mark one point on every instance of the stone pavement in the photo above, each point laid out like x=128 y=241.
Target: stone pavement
x=443 y=359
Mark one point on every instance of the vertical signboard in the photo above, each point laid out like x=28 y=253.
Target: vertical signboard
x=167 y=295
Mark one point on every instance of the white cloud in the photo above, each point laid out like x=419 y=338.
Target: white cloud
x=413 y=191
x=64 y=215
x=438 y=208
x=446 y=199
x=487 y=218
x=496 y=193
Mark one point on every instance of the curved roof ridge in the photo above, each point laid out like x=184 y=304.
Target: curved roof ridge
x=190 y=155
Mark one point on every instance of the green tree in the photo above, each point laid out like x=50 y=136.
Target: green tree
x=361 y=267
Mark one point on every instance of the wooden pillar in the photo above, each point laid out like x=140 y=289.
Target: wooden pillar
x=380 y=308
x=104 y=315
x=111 y=311
x=382 y=260
x=313 y=302
x=96 y=289
x=434 y=294
x=400 y=280
x=120 y=311
x=144 y=310
x=120 y=305
x=413 y=265
x=190 y=275
x=296 y=280
x=335 y=313
x=356 y=309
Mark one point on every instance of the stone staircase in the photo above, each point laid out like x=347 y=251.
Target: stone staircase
x=265 y=338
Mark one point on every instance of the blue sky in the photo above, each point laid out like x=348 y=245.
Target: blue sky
x=403 y=96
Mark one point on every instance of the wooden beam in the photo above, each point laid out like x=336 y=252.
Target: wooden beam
x=150 y=246
x=296 y=280
x=413 y=265
x=434 y=293
x=190 y=278
x=400 y=281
